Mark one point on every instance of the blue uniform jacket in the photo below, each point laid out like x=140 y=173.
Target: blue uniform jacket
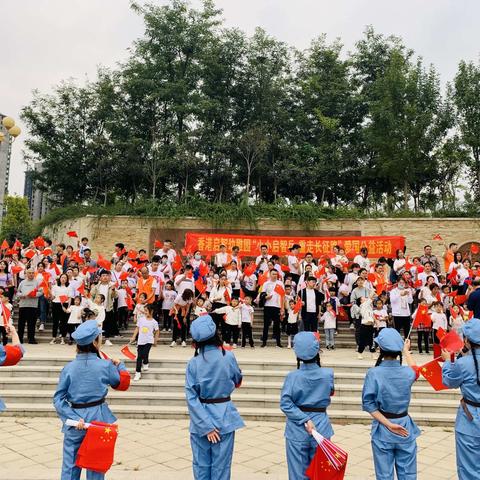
x=84 y=380
x=388 y=388
x=462 y=374
x=309 y=386
x=212 y=375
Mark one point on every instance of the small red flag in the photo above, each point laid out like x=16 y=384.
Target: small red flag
x=5 y=245
x=33 y=293
x=17 y=244
x=47 y=252
x=328 y=463
x=285 y=268
x=280 y=290
x=104 y=263
x=123 y=275
x=30 y=254
x=250 y=269
x=417 y=284
x=129 y=302
x=451 y=342
x=420 y=269
x=6 y=314
x=39 y=242
x=452 y=294
x=72 y=234
x=200 y=286
x=263 y=277
x=319 y=272
x=203 y=269
x=126 y=351
x=157 y=244
x=460 y=299
x=81 y=289
x=422 y=317
x=437 y=237
x=63 y=298
x=124 y=381
x=432 y=371
x=474 y=248
x=177 y=263
x=132 y=254
x=371 y=277
x=97 y=449
x=298 y=305
x=16 y=269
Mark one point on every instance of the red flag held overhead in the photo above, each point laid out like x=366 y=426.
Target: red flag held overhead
x=128 y=353
x=432 y=371
x=72 y=234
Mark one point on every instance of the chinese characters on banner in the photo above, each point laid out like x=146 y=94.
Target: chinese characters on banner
x=209 y=243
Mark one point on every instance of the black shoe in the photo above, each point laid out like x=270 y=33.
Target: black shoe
x=32 y=342
x=279 y=345
x=263 y=345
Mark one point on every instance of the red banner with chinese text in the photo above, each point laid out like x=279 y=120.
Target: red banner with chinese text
x=209 y=243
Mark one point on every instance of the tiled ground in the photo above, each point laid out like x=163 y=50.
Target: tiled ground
x=30 y=449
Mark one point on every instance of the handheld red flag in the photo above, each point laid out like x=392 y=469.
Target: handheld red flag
x=124 y=381
x=123 y=275
x=72 y=234
x=329 y=461
x=279 y=290
x=203 y=269
x=4 y=245
x=285 y=268
x=177 y=263
x=6 y=314
x=451 y=342
x=13 y=355
x=157 y=244
x=126 y=351
x=33 y=293
x=474 y=248
x=227 y=296
x=200 y=286
x=132 y=254
x=319 y=272
x=81 y=289
x=104 y=263
x=39 y=242
x=437 y=237
x=460 y=299
x=17 y=244
x=432 y=371
x=250 y=269
x=371 y=277
x=97 y=449
x=47 y=252
x=298 y=305
x=63 y=298
x=420 y=269
x=422 y=317
x=263 y=278
x=16 y=269
x=417 y=284
x=30 y=254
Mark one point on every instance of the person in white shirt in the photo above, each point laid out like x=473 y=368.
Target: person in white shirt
x=60 y=298
x=351 y=277
x=362 y=259
x=222 y=258
x=233 y=276
x=308 y=261
x=380 y=315
x=122 y=305
x=329 y=319
x=439 y=320
x=236 y=256
x=181 y=316
x=427 y=272
x=199 y=309
x=399 y=263
x=75 y=316
x=165 y=268
x=249 y=283
x=292 y=322
x=293 y=262
x=273 y=310
x=247 y=312
x=219 y=296
x=168 y=250
x=168 y=300
x=185 y=281
x=232 y=322
x=262 y=260
x=401 y=297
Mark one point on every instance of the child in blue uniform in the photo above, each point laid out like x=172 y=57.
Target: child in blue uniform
x=10 y=354
x=212 y=375
x=305 y=397
x=464 y=373
x=81 y=393
x=386 y=397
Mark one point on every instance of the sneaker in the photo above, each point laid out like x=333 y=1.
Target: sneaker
x=145 y=367
x=62 y=342
x=108 y=343
x=164 y=330
x=41 y=328
x=173 y=344
x=169 y=329
x=360 y=356
x=137 y=376
x=263 y=345
x=279 y=345
x=53 y=341
x=289 y=346
x=184 y=344
x=333 y=347
x=234 y=345
x=352 y=326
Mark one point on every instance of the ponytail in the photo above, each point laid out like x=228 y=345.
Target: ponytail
x=315 y=359
x=215 y=340
x=384 y=353
x=474 y=347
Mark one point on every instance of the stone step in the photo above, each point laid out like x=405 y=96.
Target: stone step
x=176 y=384
x=249 y=414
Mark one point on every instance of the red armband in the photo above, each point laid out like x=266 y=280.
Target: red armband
x=124 y=381
x=13 y=355
x=239 y=384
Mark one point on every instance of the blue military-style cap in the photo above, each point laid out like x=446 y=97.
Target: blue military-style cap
x=306 y=345
x=389 y=340
x=471 y=330
x=203 y=328
x=87 y=332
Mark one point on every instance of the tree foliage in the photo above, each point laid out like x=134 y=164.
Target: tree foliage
x=202 y=111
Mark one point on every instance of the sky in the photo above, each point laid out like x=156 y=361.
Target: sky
x=47 y=41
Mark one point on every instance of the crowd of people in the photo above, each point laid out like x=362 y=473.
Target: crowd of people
x=296 y=293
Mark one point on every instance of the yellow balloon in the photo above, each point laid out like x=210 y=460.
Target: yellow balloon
x=14 y=131
x=8 y=122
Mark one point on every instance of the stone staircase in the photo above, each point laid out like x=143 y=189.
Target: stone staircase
x=28 y=388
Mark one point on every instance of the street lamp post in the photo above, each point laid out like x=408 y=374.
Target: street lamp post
x=8 y=133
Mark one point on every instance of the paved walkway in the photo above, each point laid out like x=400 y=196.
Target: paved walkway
x=30 y=449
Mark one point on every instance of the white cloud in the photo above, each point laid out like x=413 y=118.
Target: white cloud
x=46 y=41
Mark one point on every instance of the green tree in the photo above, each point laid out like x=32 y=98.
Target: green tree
x=16 y=222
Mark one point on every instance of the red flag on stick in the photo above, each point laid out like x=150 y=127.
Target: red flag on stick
x=298 y=305
x=227 y=296
x=250 y=269
x=474 y=248
x=5 y=245
x=6 y=314
x=437 y=238
x=127 y=352
x=452 y=342
x=33 y=293
x=432 y=371
x=329 y=461
x=63 y=298
x=97 y=449
x=177 y=263
x=422 y=317
x=280 y=290
x=72 y=234
x=203 y=269
x=13 y=355
x=104 y=263
x=157 y=244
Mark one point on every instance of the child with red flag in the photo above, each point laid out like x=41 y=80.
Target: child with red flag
x=81 y=393
x=423 y=323
x=464 y=374
x=304 y=400
x=386 y=397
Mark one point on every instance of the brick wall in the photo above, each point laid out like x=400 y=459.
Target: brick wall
x=140 y=232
